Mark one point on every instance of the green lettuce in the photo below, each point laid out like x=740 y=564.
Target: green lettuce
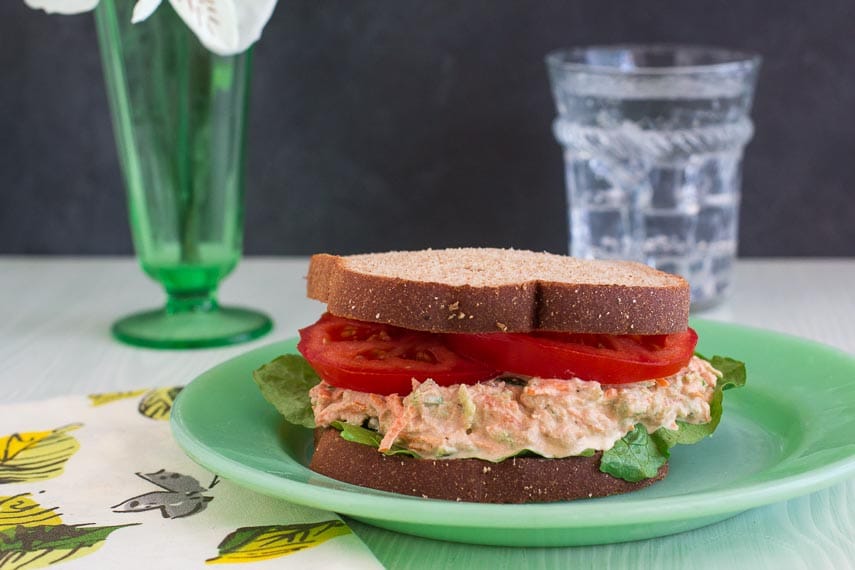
x=639 y=455
x=285 y=383
x=365 y=436
x=634 y=457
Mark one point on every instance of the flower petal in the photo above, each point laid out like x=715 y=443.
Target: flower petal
x=143 y=9
x=62 y=6
x=225 y=27
x=213 y=21
x=252 y=17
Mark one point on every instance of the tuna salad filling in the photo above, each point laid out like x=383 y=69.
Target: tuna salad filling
x=510 y=414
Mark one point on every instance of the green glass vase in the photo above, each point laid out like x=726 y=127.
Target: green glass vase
x=179 y=115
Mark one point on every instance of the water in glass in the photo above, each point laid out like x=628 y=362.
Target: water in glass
x=653 y=170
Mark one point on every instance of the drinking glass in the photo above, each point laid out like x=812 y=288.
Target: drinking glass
x=179 y=117
x=653 y=139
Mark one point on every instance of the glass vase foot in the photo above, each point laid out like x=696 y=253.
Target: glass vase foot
x=221 y=326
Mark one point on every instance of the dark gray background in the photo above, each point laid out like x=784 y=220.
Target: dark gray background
x=414 y=123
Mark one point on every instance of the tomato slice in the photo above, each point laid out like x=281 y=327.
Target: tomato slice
x=609 y=359
x=382 y=359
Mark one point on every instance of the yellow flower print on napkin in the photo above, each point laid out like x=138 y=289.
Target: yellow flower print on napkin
x=255 y=543
x=32 y=536
x=157 y=403
x=106 y=398
x=36 y=456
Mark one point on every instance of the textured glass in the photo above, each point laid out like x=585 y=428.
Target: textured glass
x=179 y=115
x=653 y=140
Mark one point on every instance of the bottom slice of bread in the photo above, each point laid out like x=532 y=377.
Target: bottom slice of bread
x=515 y=480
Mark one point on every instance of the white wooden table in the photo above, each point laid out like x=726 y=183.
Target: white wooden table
x=55 y=315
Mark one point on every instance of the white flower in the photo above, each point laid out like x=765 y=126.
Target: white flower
x=225 y=27
x=63 y=7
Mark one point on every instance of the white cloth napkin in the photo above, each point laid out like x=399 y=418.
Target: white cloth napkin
x=98 y=482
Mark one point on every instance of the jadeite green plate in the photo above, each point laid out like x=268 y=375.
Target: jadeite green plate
x=789 y=432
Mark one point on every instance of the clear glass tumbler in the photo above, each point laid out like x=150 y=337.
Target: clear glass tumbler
x=653 y=139
x=179 y=116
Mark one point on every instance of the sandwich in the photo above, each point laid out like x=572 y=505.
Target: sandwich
x=497 y=376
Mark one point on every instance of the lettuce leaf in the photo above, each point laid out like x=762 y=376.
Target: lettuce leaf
x=285 y=383
x=733 y=376
x=365 y=436
x=638 y=455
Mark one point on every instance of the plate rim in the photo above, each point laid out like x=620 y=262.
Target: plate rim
x=567 y=515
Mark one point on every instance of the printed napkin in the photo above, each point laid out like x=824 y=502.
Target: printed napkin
x=98 y=482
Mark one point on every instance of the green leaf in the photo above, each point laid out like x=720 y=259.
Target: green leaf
x=636 y=454
x=733 y=372
x=685 y=434
x=54 y=537
x=285 y=383
x=733 y=376
x=634 y=457
x=254 y=544
x=359 y=434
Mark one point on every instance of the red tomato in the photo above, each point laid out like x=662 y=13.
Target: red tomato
x=610 y=359
x=382 y=359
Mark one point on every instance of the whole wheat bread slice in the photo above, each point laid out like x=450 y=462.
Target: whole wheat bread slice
x=515 y=480
x=475 y=290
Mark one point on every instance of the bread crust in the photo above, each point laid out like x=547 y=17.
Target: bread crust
x=515 y=480
x=574 y=296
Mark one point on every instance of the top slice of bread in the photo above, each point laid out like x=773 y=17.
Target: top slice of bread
x=476 y=290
